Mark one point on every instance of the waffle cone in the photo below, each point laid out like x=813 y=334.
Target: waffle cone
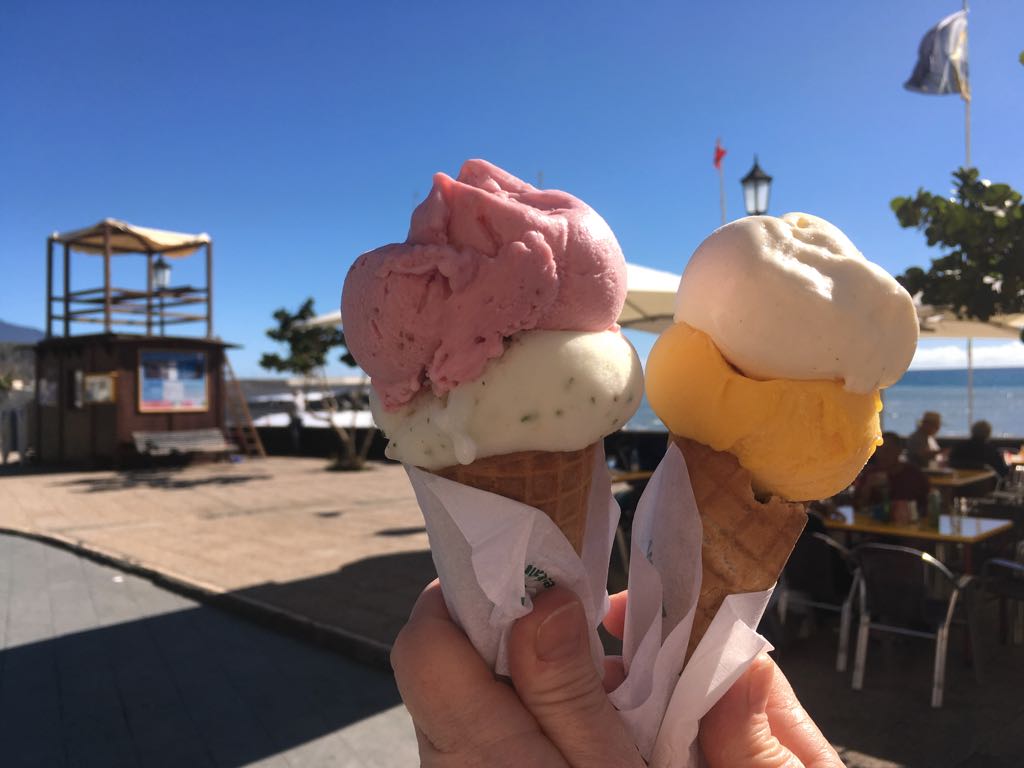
x=746 y=541
x=556 y=483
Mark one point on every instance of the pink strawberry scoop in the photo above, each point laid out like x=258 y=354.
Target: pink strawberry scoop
x=487 y=256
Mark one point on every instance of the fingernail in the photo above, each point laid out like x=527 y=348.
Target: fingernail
x=558 y=636
x=759 y=685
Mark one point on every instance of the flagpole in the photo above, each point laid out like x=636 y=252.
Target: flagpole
x=967 y=132
x=967 y=107
x=970 y=382
x=721 y=191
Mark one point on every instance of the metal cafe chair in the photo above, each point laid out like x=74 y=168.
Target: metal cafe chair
x=1004 y=579
x=908 y=592
x=810 y=579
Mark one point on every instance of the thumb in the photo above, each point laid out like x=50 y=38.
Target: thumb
x=555 y=677
x=736 y=732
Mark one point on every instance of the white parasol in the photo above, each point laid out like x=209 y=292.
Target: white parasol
x=943 y=323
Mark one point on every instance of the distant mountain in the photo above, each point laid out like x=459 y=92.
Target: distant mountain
x=19 y=334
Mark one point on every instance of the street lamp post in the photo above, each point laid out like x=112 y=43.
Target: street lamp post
x=756 y=187
x=161 y=282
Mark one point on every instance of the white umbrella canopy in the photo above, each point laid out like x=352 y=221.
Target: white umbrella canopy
x=650 y=301
x=942 y=323
x=327 y=318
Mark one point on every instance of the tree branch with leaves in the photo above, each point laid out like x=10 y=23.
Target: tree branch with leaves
x=309 y=347
x=982 y=229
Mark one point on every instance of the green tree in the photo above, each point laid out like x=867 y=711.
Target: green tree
x=308 y=346
x=308 y=349
x=982 y=229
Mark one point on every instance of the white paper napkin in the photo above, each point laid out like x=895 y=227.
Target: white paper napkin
x=493 y=554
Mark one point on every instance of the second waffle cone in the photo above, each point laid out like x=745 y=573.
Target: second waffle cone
x=746 y=542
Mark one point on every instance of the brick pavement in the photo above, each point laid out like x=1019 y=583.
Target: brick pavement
x=342 y=550
x=102 y=669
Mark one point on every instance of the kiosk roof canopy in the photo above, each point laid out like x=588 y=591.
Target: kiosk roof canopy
x=128 y=238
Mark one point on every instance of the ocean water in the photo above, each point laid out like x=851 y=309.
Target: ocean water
x=998 y=398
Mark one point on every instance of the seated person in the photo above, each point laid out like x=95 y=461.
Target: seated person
x=886 y=469
x=922 y=447
x=978 y=452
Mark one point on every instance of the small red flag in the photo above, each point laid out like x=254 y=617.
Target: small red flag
x=719 y=153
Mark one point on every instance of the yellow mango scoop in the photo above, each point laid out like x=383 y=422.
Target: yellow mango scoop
x=801 y=440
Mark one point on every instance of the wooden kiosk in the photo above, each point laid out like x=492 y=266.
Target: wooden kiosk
x=99 y=389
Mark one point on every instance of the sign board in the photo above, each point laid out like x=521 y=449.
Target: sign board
x=172 y=381
x=99 y=388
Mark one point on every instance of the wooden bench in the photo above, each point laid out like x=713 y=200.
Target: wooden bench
x=181 y=442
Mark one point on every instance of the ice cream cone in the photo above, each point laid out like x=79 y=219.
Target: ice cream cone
x=557 y=483
x=746 y=542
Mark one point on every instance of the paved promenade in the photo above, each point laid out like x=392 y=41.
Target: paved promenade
x=102 y=669
x=345 y=553
x=344 y=550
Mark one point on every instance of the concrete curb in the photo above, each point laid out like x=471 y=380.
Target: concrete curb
x=354 y=646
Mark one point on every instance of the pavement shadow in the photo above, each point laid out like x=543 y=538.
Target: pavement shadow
x=374 y=595
x=399 y=532
x=193 y=687
x=160 y=479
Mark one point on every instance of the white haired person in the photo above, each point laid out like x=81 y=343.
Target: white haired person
x=922 y=447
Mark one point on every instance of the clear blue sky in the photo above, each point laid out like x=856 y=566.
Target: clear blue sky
x=301 y=134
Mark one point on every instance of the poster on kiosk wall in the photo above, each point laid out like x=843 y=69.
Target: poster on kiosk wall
x=172 y=381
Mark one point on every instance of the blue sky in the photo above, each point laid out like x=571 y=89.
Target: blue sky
x=301 y=134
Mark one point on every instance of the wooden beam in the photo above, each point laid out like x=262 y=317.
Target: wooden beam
x=84 y=292
x=185 y=319
x=98 y=320
x=133 y=309
x=49 y=295
x=106 y=276
x=120 y=295
x=149 y=294
x=209 y=289
x=67 y=289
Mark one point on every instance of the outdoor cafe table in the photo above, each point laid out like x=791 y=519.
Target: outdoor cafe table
x=969 y=532
x=950 y=482
x=629 y=476
x=954 y=479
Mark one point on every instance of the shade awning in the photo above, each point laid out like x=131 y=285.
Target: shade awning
x=942 y=323
x=129 y=238
x=650 y=301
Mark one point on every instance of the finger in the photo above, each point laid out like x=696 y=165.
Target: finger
x=737 y=732
x=615 y=619
x=794 y=728
x=614 y=673
x=555 y=676
x=460 y=711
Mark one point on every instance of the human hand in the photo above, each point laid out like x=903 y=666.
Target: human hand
x=759 y=723
x=561 y=715
x=557 y=714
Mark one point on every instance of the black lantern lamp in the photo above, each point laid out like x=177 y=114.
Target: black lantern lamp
x=756 y=186
x=161 y=274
